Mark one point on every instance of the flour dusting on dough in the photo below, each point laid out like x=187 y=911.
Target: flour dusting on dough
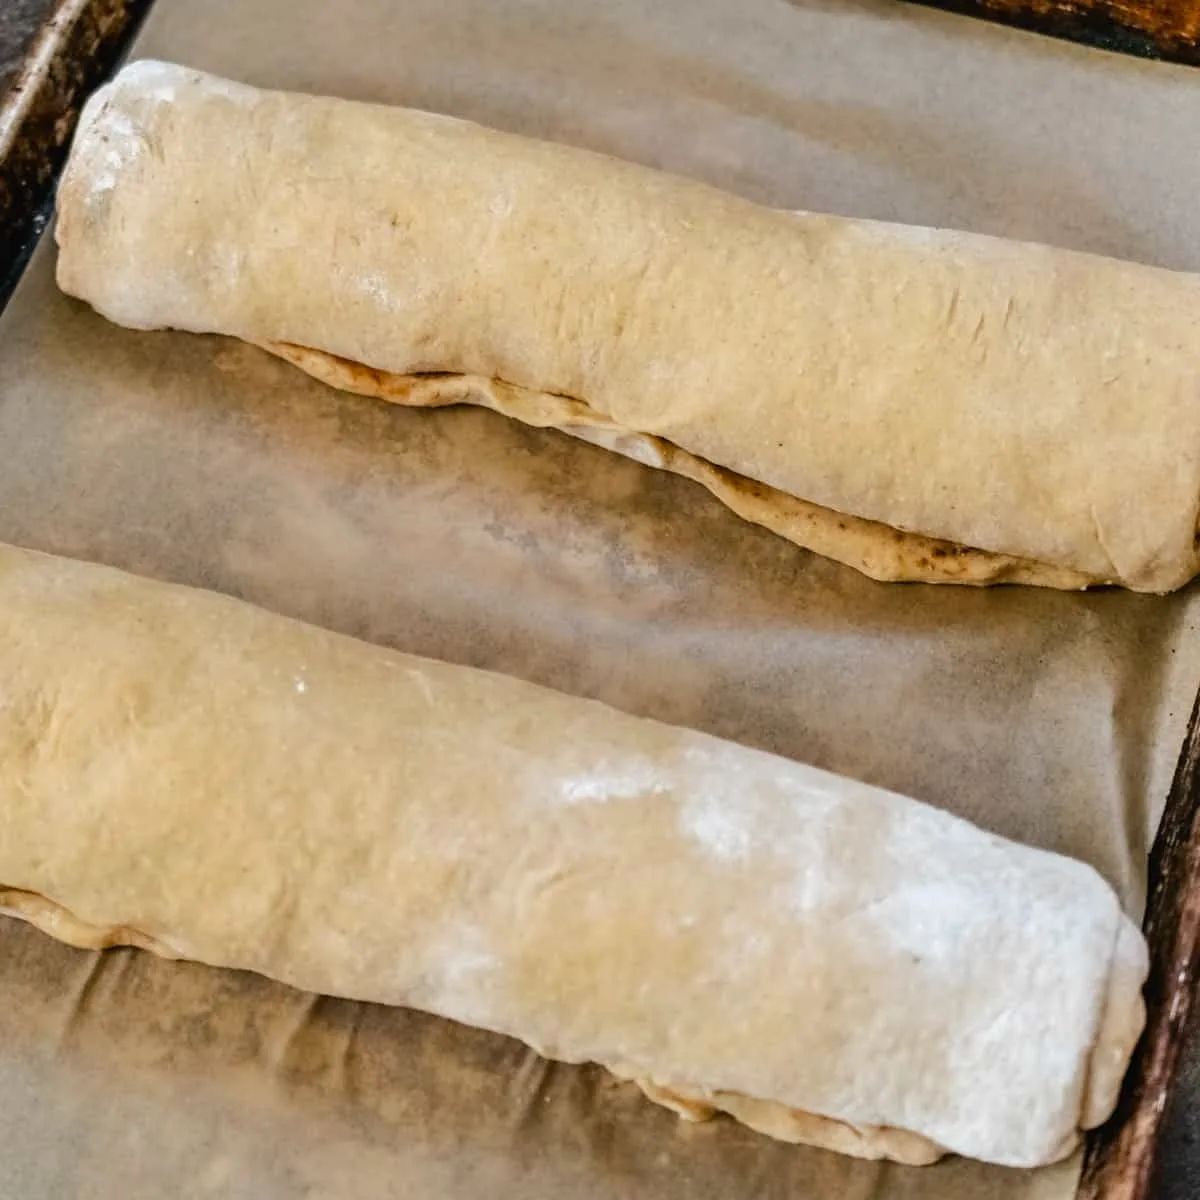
x=723 y=832
x=626 y=782
x=935 y=923
x=715 y=809
x=375 y=286
x=159 y=81
x=118 y=144
x=731 y=809
x=462 y=969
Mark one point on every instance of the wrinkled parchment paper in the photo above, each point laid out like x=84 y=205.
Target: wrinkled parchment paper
x=1051 y=718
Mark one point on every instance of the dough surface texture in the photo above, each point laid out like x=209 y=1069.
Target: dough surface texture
x=921 y=404
x=826 y=961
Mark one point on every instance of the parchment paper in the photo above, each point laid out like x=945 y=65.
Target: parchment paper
x=1047 y=717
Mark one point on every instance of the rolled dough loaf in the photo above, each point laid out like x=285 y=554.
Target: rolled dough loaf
x=826 y=961
x=921 y=404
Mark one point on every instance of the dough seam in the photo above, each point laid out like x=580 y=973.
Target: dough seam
x=691 y=1104
x=884 y=553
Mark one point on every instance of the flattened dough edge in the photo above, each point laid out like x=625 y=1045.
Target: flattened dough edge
x=880 y=552
x=775 y=1120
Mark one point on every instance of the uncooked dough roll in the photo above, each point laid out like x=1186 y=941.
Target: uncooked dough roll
x=826 y=961
x=920 y=404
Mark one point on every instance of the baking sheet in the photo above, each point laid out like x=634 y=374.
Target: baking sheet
x=1052 y=718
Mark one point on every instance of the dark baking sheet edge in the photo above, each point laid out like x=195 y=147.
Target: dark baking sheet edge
x=1158 y=29
x=76 y=49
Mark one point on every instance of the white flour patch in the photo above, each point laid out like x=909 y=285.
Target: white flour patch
x=160 y=82
x=935 y=924
x=719 y=808
x=630 y=445
x=461 y=969
x=376 y=286
x=816 y=798
x=737 y=802
x=300 y=684
x=811 y=888
x=722 y=831
x=161 y=86
x=467 y=962
x=627 y=781
x=157 y=80
x=116 y=144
